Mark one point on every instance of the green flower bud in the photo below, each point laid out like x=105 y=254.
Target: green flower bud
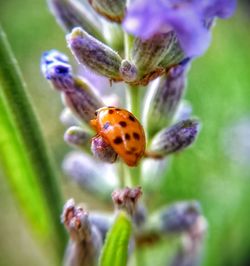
x=147 y=54
x=174 y=55
x=97 y=56
x=113 y=10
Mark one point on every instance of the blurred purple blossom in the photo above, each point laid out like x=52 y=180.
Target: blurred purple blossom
x=188 y=19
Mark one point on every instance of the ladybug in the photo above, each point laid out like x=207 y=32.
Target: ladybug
x=122 y=131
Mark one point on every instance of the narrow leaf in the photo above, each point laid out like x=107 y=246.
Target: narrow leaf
x=24 y=155
x=115 y=250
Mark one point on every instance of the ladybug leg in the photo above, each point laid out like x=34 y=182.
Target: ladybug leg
x=149 y=154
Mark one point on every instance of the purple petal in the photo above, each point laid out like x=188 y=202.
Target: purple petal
x=186 y=18
x=220 y=8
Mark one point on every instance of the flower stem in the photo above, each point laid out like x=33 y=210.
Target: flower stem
x=133 y=105
x=133 y=100
x=128 y=42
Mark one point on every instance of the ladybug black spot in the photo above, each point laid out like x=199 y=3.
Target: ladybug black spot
x=111 y=112
x=136 y=136
x=117 y=109
x=118 y=140
x=127 y=136
x=123 y=123
x=131 y=118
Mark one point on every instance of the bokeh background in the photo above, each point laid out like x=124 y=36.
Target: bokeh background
x=216 y=170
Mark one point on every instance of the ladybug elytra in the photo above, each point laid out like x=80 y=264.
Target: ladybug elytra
x=122 y=131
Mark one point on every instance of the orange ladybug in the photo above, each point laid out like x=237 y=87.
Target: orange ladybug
x=122 y=131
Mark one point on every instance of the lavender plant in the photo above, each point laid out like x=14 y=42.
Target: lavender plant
x=144 y=50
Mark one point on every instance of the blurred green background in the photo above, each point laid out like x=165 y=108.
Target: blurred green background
x=216 y=171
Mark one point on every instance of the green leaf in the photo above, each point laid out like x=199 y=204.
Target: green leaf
x=115 y=250
x=23 y=153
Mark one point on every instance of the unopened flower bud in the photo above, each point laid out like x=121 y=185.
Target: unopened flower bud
x=56 y=68
x=82 y=100
x=67 y=118
x=127 y=199
x=153 y=172
x=102 y=150
x=163 y=98
x=77 y=137
x=85 y=240
x=191 y=249
x=97 y=56
x=113 y=10
x=73 y=13
x=92 y=176
x=102 y=221
x=180 y=217
x=140 y=215
x=114 y=35
x=183 y=112
x=78 y=95
x=147 y=54
x=128 y=71
x=174 y=55
x=175 y=138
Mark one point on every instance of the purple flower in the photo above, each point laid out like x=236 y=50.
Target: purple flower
x=188 y=19
x=56 y=68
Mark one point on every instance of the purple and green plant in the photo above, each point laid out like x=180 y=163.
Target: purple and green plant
x=144 y=51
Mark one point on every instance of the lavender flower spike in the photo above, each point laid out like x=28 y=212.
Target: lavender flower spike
x=187 y=19
x=175 y=138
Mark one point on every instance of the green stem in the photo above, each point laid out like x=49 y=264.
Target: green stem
x=133 y=100
x=128 y=44
x=14 y=93
x=132 y=175
x=121 y=174
x=133 y=105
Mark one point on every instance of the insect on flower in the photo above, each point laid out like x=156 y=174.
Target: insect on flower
x=122 y=131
